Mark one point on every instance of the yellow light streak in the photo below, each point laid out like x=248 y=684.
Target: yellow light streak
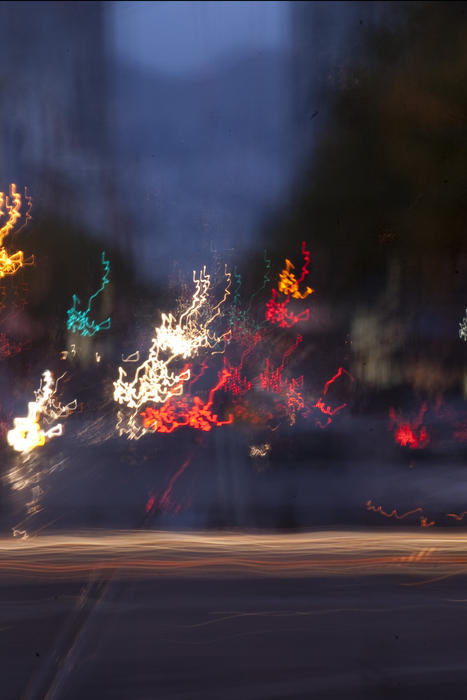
x=260 y=450
x=10 y=263
x=12 y=204
x=27 y=433
x=288 y=283
x=134 y=357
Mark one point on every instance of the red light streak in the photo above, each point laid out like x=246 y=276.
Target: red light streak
x=405 y=436
x=277 y=312
x=338 y=374
x=305 y=271
x=294 y=397
x=326 y=409
x=164 y=503
x=173 y=415
x=288 y=352
x=236 y=383
x=8 y=348
x=195 y=378
x=271 y=379
x=413 y=435
x=150 y=503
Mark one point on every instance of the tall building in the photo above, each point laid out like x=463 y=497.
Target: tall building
x=54 y=108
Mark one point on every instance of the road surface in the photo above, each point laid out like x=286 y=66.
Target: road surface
x=144 y=615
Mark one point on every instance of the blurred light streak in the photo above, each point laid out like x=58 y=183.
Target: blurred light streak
x=134 y=357
x=176 y=414
x=154 y=380
x=424 y=522
x=393 y=513
x=12 y=203
x=236 y=383
x=406 y=434
x=288 y=283
x=234 y=555
x=216 y=310
x=10 y=263
x=28 y=473
x=277 y=312
x=27 y=433
x=338 y=374
x=9 y=348
x=260 y=450
x=295 y=402
x=96 y=432
x=325 y=408
x=457 y=516
x=271 y=379
x=276 y=309
x=164 y=502
x=78 y=321
x=463 y=327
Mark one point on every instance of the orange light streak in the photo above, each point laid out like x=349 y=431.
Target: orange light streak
x=424 y=522
x=10 y=263
x=233 y=555
x=288 y=283
x=393 y=513
x=456 y=516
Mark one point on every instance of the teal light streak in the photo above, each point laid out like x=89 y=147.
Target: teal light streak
x=266 y=279
x=78 y=321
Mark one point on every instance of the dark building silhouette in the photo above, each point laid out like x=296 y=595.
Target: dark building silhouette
x=54 y=109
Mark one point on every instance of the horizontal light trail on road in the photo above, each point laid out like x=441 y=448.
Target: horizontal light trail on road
x=146 y=554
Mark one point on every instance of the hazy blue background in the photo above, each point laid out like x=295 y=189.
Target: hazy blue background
x=178 y=135
x=183 y=38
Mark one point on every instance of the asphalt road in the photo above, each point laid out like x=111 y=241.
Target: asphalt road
x=147 y=615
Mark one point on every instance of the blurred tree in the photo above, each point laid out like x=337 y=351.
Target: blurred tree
x=385 y=181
